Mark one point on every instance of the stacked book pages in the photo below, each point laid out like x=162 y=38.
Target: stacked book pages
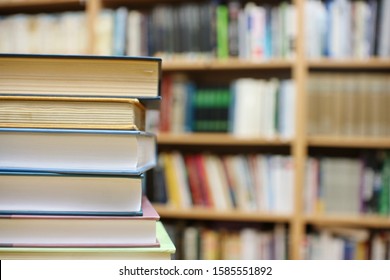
x=73 y=154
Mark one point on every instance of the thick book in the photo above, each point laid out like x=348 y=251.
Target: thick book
x=80 y=231
x=165 y=251
x=81 y=75
x=77 y=151
x=71 y=112
x=70 y=194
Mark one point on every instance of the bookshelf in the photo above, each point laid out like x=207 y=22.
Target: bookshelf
x=299 y=147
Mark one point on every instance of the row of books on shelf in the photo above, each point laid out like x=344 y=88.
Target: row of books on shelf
x=347 y=29
x=265 y=242
x=244 y=182
x=353 y=104
x=229 y=242
x=63 y=33
x=338 y=243
x=348 y=185
x=223 y=29
x=192 y=30
x=248 y=107
x=72 y=186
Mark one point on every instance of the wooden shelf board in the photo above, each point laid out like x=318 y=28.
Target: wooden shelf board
x=228 y=64
x=210 y=214
x=39 y=3
x=368 y=63
x=40 y=6
x=367 y=221
x=216 y=139
x=349 y=142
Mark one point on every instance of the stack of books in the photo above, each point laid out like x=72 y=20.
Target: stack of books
x=73 y=154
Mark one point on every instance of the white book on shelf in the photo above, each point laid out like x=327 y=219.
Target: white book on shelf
x=120 y=31
x=270 y=108
x=256 y=166
x=218 y=183
x=249 y=244
x=104 y=32
x=134 y=36
x=246 y=110
x=266 y=175
x=384 y=34
x=287 y=109
x=291 y=30
x=280 y=242
x=191 y=242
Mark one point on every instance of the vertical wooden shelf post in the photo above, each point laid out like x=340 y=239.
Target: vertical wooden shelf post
x=93 y=9
x=299 y=145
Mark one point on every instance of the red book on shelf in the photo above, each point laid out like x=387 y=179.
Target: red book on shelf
x=202 y=174
x=80 y=231
x=194 y=181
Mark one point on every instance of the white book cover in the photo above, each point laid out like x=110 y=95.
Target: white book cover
x=384 y=34
x=134 y=36
x=104 y=32
x=218 y=183
x=249 y=244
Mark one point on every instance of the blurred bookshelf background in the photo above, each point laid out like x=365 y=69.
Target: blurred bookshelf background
x=274 y=124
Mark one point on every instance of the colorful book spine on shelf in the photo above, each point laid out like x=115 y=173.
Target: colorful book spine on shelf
x=192 y=30
x=228 y=242
x=242 y=182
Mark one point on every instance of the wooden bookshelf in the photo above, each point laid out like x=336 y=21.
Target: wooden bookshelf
x=297 y=67
x=349 y=142
x=36 y=6
x=228 y=64
x=217 y=139
x=365 y=221
x=369 y=63
x=198 y=213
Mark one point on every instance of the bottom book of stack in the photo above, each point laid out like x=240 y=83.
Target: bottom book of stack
x=85 y=237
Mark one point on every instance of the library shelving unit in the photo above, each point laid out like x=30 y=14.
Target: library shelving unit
x=298 y=68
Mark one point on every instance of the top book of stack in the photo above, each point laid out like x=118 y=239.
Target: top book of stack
x=82 y=76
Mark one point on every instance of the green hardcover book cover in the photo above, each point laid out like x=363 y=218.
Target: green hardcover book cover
x=384 y=203
x=222 y=32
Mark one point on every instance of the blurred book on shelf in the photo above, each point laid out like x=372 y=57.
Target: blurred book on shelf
x=251 y=182
x=348 y=104
x=347 y=29
x=348 y=186
x=247 y=107
x=201 y=241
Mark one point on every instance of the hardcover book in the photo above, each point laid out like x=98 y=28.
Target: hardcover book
x=164 y=251
x=81 y=75
x=71 y=112
x=70 y=194
x=80 y=231
x=77 y=151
